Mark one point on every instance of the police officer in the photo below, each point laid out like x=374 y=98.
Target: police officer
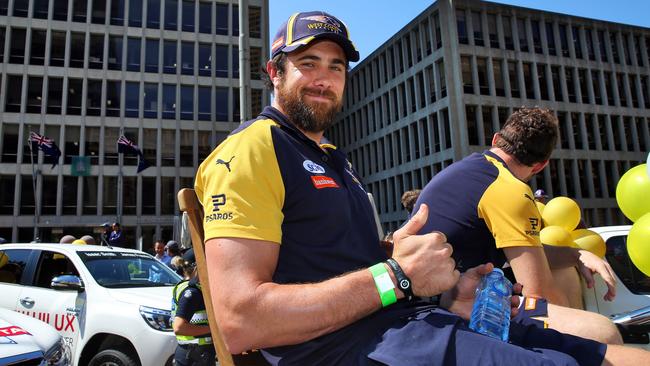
x=190 y=320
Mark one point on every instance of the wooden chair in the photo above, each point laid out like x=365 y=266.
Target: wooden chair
x=188 y=202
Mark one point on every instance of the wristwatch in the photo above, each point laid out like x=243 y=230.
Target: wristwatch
x=403 y=282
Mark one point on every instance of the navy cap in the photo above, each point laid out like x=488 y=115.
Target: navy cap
x=540 y=193
x=302 y=28
x=188 y=256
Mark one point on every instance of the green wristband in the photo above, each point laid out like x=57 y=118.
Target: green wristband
x=384 y=284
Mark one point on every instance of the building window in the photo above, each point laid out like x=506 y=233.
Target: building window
x=595 y=82
x=541 y=80
x=557 y=83
x=135 y=13
x=221 y=97
x=27 y=204
x=74 y=96
x=497 y=67
x=528 y=80
x=96 y=52
x=472 y=124
x=94 y=98
x=187 y=58
x=2 y=44
x=461 y=24
x=188 y=16
x=79 y=10
x=622 y=95
x=256 y=101
x=98 y=15
x=117 y=12
x=235 y=20
x=256 y=63
x=550 y=38
x=153 y=14
x=40 y=9
x=168 y=195
x=69 y=201
x=523 y=39
x=34 y=94
x=57 y=49
x=590 y=44
x=236 y=111
x=17 y=50
x=222 y=19
x=205 y=59
x=169 y=57
x=466 y=67
x=109 y=195
x=91 y=144
x=537 y=37
x=20 y=8
x=171 y=14
x=4 y=7
x=205 y=17
x=235 y=62
x=148 y=195
x=614 y=44
x=481 y=65
x=131 y=99
x=150 y=100
x=221 y=61
x=9 y=145
x=205 y=103
x=608 y=88
x=151 y=55
x=507 y=32
x=71 y=145
x=169 y=101
x=582 y=80
x=570 y=84
x=577 y=45
x=133 y=54
x=15 y=84
x=37 y=50
x=113 y=93
x=187 y=102
x=186 y=148
x=255 y=21
x=115 y=53
x=492 y=30
x=513 y=76
x=478 y=29
x=54 y=95
x=77 y=45
x=167 y=148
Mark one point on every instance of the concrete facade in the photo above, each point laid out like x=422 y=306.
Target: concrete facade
x=162 y=72
x=439 y=88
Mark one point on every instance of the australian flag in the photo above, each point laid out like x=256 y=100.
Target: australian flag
x=47 y=146
x=126 y=146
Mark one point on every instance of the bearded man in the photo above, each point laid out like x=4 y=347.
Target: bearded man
x=293 y=255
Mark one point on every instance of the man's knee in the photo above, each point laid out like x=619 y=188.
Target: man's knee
x=584 y=324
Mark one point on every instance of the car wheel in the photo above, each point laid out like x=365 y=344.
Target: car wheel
x=112 y=357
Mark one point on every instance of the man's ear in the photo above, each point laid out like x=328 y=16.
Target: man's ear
x=495 y=137
x=538 y=167
x=272 y=70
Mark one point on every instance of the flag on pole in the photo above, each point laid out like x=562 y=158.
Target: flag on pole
x=126 y=146
x=47 y=146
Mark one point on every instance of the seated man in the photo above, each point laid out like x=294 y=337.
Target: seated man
x=293 y=254
x=488 y=213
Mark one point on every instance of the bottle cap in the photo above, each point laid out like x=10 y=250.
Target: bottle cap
x=498 y=270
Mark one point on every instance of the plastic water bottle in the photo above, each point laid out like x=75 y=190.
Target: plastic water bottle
x=491 y=311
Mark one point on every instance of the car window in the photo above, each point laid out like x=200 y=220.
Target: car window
x=50 y=265
x=637 y=282
x=12 y=264
x=123 y=270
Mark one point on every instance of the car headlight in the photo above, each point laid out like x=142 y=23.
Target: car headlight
x=158 y=319
x=58 y=354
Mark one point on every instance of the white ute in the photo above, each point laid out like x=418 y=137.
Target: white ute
x=111 y=305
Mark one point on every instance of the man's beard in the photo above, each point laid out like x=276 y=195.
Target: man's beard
x=316 y=117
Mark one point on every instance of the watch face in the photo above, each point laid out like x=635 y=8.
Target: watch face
x=404 y=284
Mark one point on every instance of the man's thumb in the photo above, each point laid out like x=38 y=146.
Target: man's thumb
x=417 y=221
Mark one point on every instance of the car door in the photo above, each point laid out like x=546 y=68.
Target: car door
x=12 y=270
x=62 y=309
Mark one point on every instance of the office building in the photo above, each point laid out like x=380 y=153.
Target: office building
x=164 y=73
x=439 y=89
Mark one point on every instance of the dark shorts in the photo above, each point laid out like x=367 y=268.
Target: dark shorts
x=530 y=308
x=192 y=355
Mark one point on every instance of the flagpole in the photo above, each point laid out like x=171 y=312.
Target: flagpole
x=120 y=157
x=36 y=210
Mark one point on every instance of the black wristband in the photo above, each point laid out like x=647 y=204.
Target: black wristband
x=403 y=282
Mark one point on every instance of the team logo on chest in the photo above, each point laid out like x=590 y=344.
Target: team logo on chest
x=312 y=167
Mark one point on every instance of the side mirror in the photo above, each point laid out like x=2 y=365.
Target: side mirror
x=67 y=282
x=636 y=317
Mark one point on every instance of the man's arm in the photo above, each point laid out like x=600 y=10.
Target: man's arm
x=532 y=270
x=183 y=327
x=254 y=312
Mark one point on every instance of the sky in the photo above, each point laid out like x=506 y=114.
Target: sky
x=373 y=22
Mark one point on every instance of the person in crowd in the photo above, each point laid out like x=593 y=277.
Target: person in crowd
x=173 y=251
x=160 y=252
x=293 y=253
x=190 y=321
x=117 y=237
x=540 y=196
x=487 y=210
x=409 y=198
x=106 y=233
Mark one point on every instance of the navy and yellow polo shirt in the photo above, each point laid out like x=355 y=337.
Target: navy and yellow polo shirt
x=268 y=181
x=482 y=208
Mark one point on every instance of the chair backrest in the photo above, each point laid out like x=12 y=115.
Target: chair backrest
x=188 y=202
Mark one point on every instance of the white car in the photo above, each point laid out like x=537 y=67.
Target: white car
x=111 y=305
x=631 y=308
x=28 y=341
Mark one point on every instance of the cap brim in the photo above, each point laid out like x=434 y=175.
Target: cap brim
x=348 y=48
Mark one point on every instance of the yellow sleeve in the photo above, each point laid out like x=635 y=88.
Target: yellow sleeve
x=240 y=187
x=510 y=213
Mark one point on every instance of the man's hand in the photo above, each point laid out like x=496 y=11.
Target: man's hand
x=426 y=259
x=588 y=264
x=460 y=299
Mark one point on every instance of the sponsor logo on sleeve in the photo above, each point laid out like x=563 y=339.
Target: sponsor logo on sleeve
x=534 y=226
x=321 y=181
x=225 y=163
x=312 y=167
x=218 y=200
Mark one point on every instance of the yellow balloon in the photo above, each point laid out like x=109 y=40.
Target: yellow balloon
x=562 y=211
x=589 y=240
x=556 y=235
x=79 y=241
x=638 y=244
x=540 y=207
x=4 y=259
x=632 y=192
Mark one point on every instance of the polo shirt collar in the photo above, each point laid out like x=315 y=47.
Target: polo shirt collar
x=498 y=158
x=279 y=117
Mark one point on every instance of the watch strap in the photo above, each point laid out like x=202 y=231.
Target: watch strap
x=403 y=282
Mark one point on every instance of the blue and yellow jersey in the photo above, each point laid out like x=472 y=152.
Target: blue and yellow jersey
x=268 y=181
x=482 y=208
